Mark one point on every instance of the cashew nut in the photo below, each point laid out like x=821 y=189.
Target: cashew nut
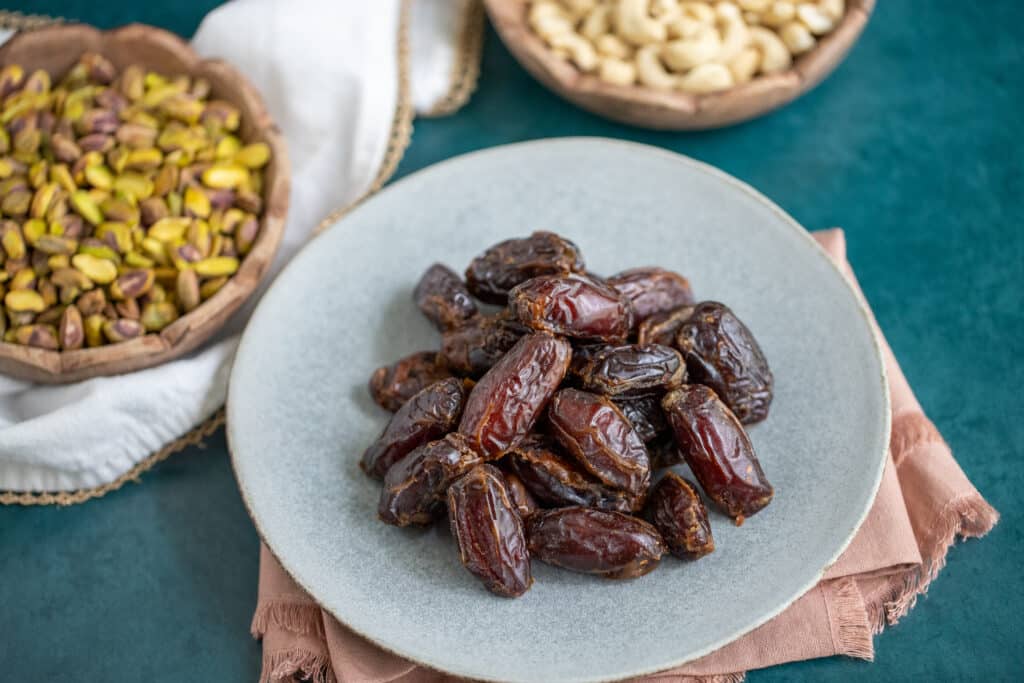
x=707 y=78
x=778 y=14
x=774 y=55
x=814 y=18
x=581 y=51
x=752 y=18
x=665 y=11
x=796 y=37
x=617 y=71
x=835 y=9
x=683 y=55
x=744 y=65
x=612 y=46
x=651 y=71
x=684 y=27
x=635 y=25
x=698 y=11
x=735 y=37
x=548 y=19
x=597 y=23
x=754 y=5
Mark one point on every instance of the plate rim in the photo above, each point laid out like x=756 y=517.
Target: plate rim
x=866 y=317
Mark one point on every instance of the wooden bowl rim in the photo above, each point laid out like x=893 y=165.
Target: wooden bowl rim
x=753 y=98
x=192 y=329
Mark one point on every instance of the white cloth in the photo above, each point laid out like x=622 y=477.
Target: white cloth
x=328 y=71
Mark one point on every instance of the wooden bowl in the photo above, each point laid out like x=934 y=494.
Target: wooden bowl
x=666 y=110
x=56 y=49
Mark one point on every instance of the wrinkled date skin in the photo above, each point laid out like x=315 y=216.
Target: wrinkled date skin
x=645 y=414
x=718 y=451
x=580 y=539
x=575 y=305
x=392 y=385
x=427 y=416
x=506 y=402
x=662 y=328
x=594 y=431
x=415 y=486
x=443 y=298
x=521 y=498
x=489 y=532
x=677 y=512
x=722 y=353
x=652 y=290
x=630 y=370
x=493 y=274
x=475 y=347
x=558 y=482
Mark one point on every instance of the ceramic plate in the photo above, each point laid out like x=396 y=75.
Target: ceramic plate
x=300 y=415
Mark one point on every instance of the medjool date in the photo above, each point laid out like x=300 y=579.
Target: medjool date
x=520 y=496
x=610 y=544
x=646 y=416
x=489 y=532
x=427 y=416
x=392 y=385
x=721 y=353
x=652 y=290
x=474 y=347
x=557 y=481
x=493 y=274
x=574 y=305
x=631 y=370
x=677 y=512
x=718 y=451
x=594 y=431
x=443 y=298
x=506 y=402
x=415 y=486
x=661 y=328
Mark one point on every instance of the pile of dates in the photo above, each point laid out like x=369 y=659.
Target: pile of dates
x=538 y=427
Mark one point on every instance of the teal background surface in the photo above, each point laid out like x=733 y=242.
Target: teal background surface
x=913 y=146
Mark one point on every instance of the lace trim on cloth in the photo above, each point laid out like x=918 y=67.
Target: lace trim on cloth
x=464 y=78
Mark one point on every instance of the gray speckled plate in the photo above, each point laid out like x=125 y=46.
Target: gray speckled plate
x=299 y=415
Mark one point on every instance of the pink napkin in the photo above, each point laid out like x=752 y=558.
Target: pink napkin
x=924 y=502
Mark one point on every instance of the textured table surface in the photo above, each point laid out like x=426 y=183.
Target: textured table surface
x=912 y=145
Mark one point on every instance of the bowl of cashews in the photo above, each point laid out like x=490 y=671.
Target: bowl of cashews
x=679 y=64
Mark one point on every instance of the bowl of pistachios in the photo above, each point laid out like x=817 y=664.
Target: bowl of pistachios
x=679 y=64
x=143 y=192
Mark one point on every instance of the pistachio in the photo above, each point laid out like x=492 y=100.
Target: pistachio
x=94 y=247
x=39 y=336
x=120 y=210
x=187 y=289
x=157 y=293
x=71 y=277
x=58 y=261
x=166 y=179
x=153 y=209
x=100 y=271
x=95 y=142
x=220 y=115
x=93 y=326
x=136 y=135
x=157 y=315
x=225 y=175
x=18 y=319
x=16 y=202
x=145 y=159
x=246 y=233
x=216 y=266
x=227 y=147
x=117 y=157
x=134 y=185
x=169 y=229
x=129 y=308
x=131 y=83
x=52 y=244
x=24 y=300
x=70 y=330
x=48 y=292
x=33 y=229
x=197 y=204
x=25 y=278
x=121 y=330
x=132 y=284
x=211 y=287
x=44 y=197
x=255 y=155
x=86 y=207
x=37 y=174
x=97 y=121
x=64 y=149
x=51 y=316
x=183 y=107
x=11 y=78
x=12 y=240
x=91 y=302
x=112 y=100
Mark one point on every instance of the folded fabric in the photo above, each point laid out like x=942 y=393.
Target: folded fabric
x=333 y=74
x=924 y=502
